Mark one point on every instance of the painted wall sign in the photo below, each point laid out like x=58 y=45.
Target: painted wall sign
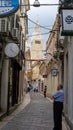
x=67 y=21
x=8 y=7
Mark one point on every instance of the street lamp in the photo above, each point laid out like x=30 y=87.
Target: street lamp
x=61 y=3
x=36 y=3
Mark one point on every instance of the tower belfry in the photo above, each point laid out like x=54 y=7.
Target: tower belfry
x=36 y=42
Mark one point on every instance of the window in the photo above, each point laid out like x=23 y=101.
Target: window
x=3 y=25
x=37 y=42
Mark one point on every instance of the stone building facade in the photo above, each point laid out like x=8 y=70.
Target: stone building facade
x=52 y=59
x=13 y=29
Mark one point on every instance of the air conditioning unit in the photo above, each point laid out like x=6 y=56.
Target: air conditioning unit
x=15 y=33
x=3 y=25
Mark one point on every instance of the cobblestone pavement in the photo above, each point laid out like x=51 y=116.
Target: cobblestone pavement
x=34 y=114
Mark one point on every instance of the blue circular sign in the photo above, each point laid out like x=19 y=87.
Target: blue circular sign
x=8 y=7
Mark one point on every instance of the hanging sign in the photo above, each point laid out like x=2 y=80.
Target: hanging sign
x=67 y=21
x=8 y=7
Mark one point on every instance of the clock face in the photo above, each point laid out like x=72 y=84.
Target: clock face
x=11 y=50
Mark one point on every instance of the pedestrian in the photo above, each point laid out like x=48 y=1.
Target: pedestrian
x=45 y=90
x=58 y=107
x=28 y=88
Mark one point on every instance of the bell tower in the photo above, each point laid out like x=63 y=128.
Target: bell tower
x=36 y=42
x=36 y=50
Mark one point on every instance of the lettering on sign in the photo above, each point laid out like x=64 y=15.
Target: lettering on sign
x=8 y=7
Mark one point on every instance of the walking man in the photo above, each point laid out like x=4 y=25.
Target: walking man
x=58 y=107
x=45 y=90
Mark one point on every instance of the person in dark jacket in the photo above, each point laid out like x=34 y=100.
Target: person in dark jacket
x=45 y=90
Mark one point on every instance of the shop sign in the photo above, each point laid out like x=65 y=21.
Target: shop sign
x=67 y=21
x=8 y=7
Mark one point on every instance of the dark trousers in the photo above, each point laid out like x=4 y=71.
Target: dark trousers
x=44 y=93
x=57 y=109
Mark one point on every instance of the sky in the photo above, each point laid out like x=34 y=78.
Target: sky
x=46 y=16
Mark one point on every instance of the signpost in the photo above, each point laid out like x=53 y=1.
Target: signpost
x=7 y=7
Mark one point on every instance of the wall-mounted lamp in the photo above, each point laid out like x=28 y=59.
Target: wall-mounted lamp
x=54 y=71
x=49 y=54
x=54 y=56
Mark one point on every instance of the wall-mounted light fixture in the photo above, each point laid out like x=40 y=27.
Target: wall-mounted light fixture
x=52 y=55
x=54 y=71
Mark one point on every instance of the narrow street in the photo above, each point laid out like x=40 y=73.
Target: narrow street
x=35 y=113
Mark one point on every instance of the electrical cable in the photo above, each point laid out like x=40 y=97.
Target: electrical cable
x=38 y=24
x=39 y=34
x=42 y=33
x=44 y=26
x=41 y=5
x=41 y=27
